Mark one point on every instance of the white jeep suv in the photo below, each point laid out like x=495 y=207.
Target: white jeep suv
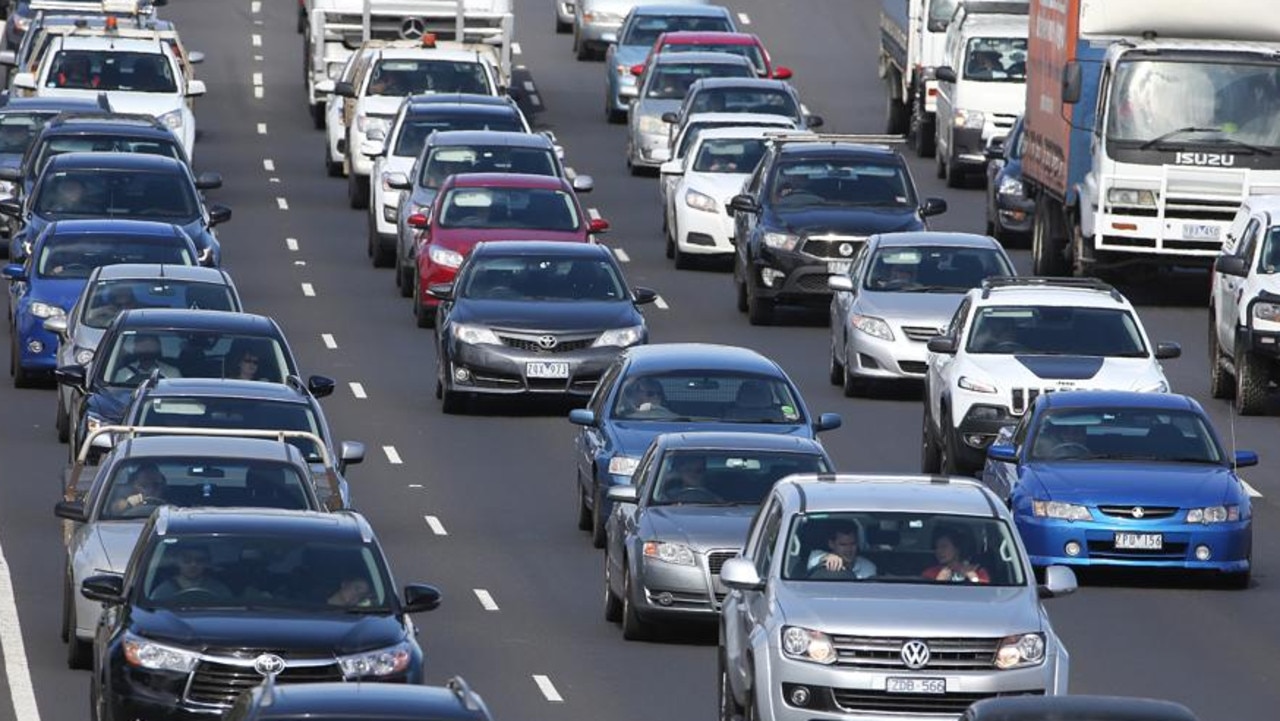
x=1015 y=338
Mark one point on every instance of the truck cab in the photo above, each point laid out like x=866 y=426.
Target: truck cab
x=912 y=42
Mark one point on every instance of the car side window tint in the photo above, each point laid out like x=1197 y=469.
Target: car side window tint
x=644 y=467
x=767 y=540
x=603 y=388
x=1020 y=433
x=859 y=263
x=956 y=328
x=1249 y=241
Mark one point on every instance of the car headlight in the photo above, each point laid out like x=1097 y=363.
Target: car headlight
x=781 y=241
x=701 y=201
x=1157 y=387
x=1214 y=514
x=651 y=125
x=972 y=119
x=872 y=326
x=1061 y=511
x=444 y=256
x=172 y=119
x=1011 y=186
x=1269 y=312
x=803 y=644
x=977 y=385
x=623 y=465
x=382 y=662
x=474 y=334
x=676 y=553
x=148 y=654
x=368 y=124
x=1018 y=651
x=1126 y=196
x=621 y=337
x=46 y=310
x=83 y=356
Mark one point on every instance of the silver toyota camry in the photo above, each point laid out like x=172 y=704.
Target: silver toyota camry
x=902 y=289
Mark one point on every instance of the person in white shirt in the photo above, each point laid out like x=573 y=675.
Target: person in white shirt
x=841 y=555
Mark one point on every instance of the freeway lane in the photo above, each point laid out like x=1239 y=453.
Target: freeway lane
x=498 y=484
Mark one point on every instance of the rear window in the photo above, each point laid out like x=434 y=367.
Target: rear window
x=412 y=76
x=769 y=101
x=455 y=160
x=102 y=144
x=76 y=256
x=108 y=298
x=414 y=131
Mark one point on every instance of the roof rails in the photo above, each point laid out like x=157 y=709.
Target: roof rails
x=466 y=696
x=102 y=7
x=106 y=114
x=113 y=434
x=805 y=136
x=1032 y=281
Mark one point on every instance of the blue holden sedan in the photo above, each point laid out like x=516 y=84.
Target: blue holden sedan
x=1103 y=478
x=671 y=388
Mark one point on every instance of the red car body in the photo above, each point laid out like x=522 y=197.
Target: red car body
x=551 y=211
x=725 y=42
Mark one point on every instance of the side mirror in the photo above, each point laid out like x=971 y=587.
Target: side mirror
x=107 y=588
x=945 y=73
x=670 y=118
x=208 y=181
x=637 y=69
x=582 y=417
x=827 y=422
x=8 y=57
x=743 y=204
x=1167 y=350
x=932 y=207
x=10 y=208
x=1072 y=82
x=324 y=87
x=24 y=81
x=782 y=73
x=1003 y=452
x=351 y=453
x=840 y=283
x=741 y=574
x=814 y=121
x=419 y=597
x=71 y=511
x=71 y=375
x=623 y=494
x=1058 y=581
x=1244 y=459
x=417 y=220
x=398 y=181
x=443 y=291
x=320 y=386
x=56 y=325
x=195 y=89
x=1225 y=264
x=598 y=225
x=583 y=183
x=942 y=344
x=218 y=214
x=672 y=167
x=344 y=89
x=15 y=271
x=195 y=57
x=372 y=148
x=643 y=296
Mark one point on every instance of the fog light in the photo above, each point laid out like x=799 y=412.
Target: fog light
x=389 y=213
x=800 y=696
x=35 y=346
x=769 y=276
x=1072 y=548
x=976 y=441
x=461 y=375
x=1203 y=553
x=665 y=599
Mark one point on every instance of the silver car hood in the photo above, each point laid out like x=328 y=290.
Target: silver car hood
x=916 y=309
x=655 y=107
x=867 y=608
x=700 y=527
x=114 y=541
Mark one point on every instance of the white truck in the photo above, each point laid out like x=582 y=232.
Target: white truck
x=1148 y=123
x=912 y=38
x=334 y=29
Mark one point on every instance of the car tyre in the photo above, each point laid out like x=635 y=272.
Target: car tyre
x=584 y=513
x=62 y=423
x=581 y=50
x=759 y=310
x=852 y=385
x=634 y=628
x=563 y=28
x=671 y=247
x=956 y=178
x=79 y=653
x=948 y=464
x=930 y=458
x=452 y=402
x=65 y=634
x=612 y=604
x=404 y=279
x=1221 y=384
x=835 y=369
x=597 y=521
x=682 y=259
x=425 y=317
x=1238 y=581
x=22 y=378
x=357 y=191
x=612 y=114
x=317 y=116
x=382 y=257
x=730 y=709
x=1251 y=382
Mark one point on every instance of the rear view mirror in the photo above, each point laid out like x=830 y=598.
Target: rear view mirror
x=107 y=588
x=10 y=208
x=397 y=181
x=1003 y=452
x=372 y=148
x=943 y=345
x=781 y=73
x=56 y=325
x=637 y=70
x=623 y=494
x=442 y=291
x=416 y=220
x=946 y=74
x=24 y=81
x=814 y=121
x=840 y=283
x=324 y=87
x=643 y=296
x=741 y=574
x=933 y=206
x=671 y=167
x=670 y=118
x=351 y=452
x=1058 y=581
x=71 y=511
x=1072 y=82
x=8 y=57
x=15 y=271
x=1168 y=350
x=344 y=89
x=71 y=375
x=1225 y=264
x=195 y=89
x=195 y=57
x=420 y=597
x=827 y=422
x=598 y=225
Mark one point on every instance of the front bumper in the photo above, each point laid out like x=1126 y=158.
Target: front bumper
x=1230 y=544
x=791 y=278
x=38 y=348
x=668 y=590
x=703 y=233
x=1014 y=213
x=599 y=33
x=649 y=150
x=502 y=369
x=1167 y=240
x=871 y=357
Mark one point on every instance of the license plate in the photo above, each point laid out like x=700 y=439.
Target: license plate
x=1197 y=231
x=547 y=370
x=839 y=267
x=898 y=684
x=1140 y=541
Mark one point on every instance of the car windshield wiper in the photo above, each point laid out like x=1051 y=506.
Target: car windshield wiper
x=367 y=610
x=1242 y=144
x=932 y=289
x=1172 y=133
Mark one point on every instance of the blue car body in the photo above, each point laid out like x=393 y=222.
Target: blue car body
x=620 y=56
x=1143 y=498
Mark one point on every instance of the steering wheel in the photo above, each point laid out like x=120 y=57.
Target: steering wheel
x=1070 y=450
x=199 y=593
x=695 y=495
x=153 y=501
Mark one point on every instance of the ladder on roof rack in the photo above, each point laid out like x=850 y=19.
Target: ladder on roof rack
x=1033 y=281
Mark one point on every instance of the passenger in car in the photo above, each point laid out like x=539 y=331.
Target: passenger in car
x=952 y=549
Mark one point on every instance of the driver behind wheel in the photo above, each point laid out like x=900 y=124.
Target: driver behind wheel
x=685 y=481
x=841 y=555
x=1059 y=440
x=146 y=487
x=192 y=577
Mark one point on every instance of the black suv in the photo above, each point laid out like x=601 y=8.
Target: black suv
x=806 y=210
x=455 y=701
x=215 y=600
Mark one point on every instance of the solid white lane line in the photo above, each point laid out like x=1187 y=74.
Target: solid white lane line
x=291 y=244
x=257 y=40
x=661 y=303
x=255 y=6
x=393 y=456
x=547 y=688
x=744 y=18
x=537 y=102
x=621 y=255
x=284 y=204
x=329 y=341
x=528 y=86
x=595 y=214
x=486 y=600
x=435 y=525
x=269 y=165
x=308 y=290
x=17 y=672
x=516 y=49
x=257 y=92
x=1253 y=492
x=257 y=78
x=357 y=390
x=262 y=128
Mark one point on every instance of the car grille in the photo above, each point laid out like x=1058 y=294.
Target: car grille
x=913 y=367
x=951 y=654
x=218 y=684
x=1022 y=398
x=1003 y=121
x=716 y=559
x=866 y=700
x=1171 y=551
x=563 y=344
x=920 y=333
x=828 y=246
x=1148 y=512
x=814 y=282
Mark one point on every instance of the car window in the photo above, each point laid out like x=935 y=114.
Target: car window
x=112 y=70
x=767 y=540
x=996 y=60
x=1125 y=434
x=645 y=29
x=102 y=193
x=137 y=487
x=956 y=328
x=70 y=256
x=530 y=278
x=414 y=130
x=1056 y=330
x=109 y=297
x=750 y=52
x=671 y=81
x=842 y=182
x=190 y=354
x=597 y=402
x=505 y=207
x=896 y=547
x=19 y=128
x=59 y=144
x=233 y=414
x=451 y=160
x=926 y=269
x=1249 y=241
x=726 y=478
x=729 y=155
x=769 y=101
x=413 y=76
x=1269 y=256
x=707 y=397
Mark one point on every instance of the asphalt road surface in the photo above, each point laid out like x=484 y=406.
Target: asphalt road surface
x=483 y=505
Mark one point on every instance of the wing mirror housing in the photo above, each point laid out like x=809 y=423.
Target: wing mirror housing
x=196 y=88
x=320 y=386
x=1168 y=350
x=743 y=204
x=643 y=296
x=419 y=597
x=1003 y=452
x=670 y=118
x=218 y=214
x=583 y=183
x=195 y=57
x=344 y=89
x=741 y=574
x=623 y=494
x=671 y=167
x=942 y=344
x=443 y=291
x=782 y=73
x=827 y=422
x=10 y=208
x=1058 y=581
x=398 y=181
x=945 y=73
x=598 y=225
x=1225 y=264
x=417 y=220
x=71 y=375
x=106 y=588
x=71 y=511
x=324 y=87
x=372 y=148
x=24 y=81
x=814 y=121
x=1245 y=459
x=637 y=69
x=582 y=417
x=351 y=453
x=15 y=272
x=57 y=326
x=8 y=57
x=209 y=181
x=932 y=207
x=840 y=283
x=1072 y=82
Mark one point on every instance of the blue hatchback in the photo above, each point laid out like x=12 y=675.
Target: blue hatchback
x=51 y=279
x=670 y=388
x=1103 y=478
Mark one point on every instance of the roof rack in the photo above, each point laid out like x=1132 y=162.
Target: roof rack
x=466 y=696
x=117 y=433
x=102 y=7
x=805 y=136
x=1032 y=281
x=994 y=7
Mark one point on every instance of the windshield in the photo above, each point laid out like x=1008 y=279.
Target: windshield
x=135 y=355
x=452 y=160
x=841 y=182
x=729 y=155
x=1056 y=330
x=750 y=51
x=297 y=574
x=996 y=60
x=102 y=193
x=412 y=77
x=69 y=255
x=414 y=131
x=112 y=70
x=19 y=128
x=234 y=414
x=940 y=12
x=711 y=397
x=645 y=29
x=933 y=268
x=58 y=145
x=1219 y=104
x=109 y=297
x=671 y=81
x=767 y=101
x=138 y=487
x=694 y=129
x=1127 y=434
x=527 y=208
x=884 y=547
x=529 y=278
x=726 y=478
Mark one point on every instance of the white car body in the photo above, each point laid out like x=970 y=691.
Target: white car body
x=698 y=122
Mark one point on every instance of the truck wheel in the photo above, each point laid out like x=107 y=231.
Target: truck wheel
x=897 y=118
x=1251 y=382
x=1046 y=244
x=1221 y=384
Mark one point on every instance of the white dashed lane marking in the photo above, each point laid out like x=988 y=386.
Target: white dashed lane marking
x=257 y=92
x=357 y=390
x=537 y=102
x=744 y=18
x=257 y=78
x=255 y=6
x=291 y=244
x=282 y=203
x=269 y=165
x=16 y=670
x=329 y=341
x=257 y=40
x=547 y=688
x=661 y=303
x=393 y=456
x=415 y=485
x=435 y=525
x=486 y=600
x=621 y=255
x=262 y=128
x=516 y=49
x=308 y=290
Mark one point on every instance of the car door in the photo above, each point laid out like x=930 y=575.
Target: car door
x=626 y=517
x=744 y=223
x=842 y=303
x=589 y=440
x=939 y=364
x=744 y=611
x=1231 y=288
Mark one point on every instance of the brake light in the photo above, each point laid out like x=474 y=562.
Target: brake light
x=417 y=220
x=598 y=225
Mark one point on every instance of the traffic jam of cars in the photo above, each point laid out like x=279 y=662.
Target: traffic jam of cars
x=216 y=562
